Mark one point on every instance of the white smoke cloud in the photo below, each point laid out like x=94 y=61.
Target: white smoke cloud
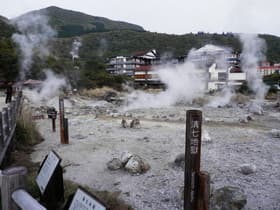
x=75 y=48
x=222 y=98
x=33 y=38
x=184 y=83
x=49 y=88
x=251 y=56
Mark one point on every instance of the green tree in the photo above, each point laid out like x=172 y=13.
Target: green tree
x=9 y=67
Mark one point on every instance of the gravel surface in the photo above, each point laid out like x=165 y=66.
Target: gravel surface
x=96 y=136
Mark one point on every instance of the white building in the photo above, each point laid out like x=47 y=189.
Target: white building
x=224 y=77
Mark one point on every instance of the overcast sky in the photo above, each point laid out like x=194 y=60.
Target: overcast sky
x=170 y=16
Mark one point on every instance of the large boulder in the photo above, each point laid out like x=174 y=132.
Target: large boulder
x=114 y=164
x=129 y=162
x=136 y=165
x=228 y=198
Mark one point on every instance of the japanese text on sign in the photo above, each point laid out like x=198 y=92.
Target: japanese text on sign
x=194 y=137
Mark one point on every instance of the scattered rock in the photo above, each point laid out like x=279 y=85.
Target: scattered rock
x=206 y=119
x=128 y=115
x=130 y=162
x=244 y=120
x=275 y=133
x=79 y=136
x=125 y=156
x=124 y=123
x=249 y=118
x=255 y=109
x=114 y=164
x=228 y=198
x=135 y=123
x=136 y=165
x=248 y=169
x=206 y=137
x=180 y=160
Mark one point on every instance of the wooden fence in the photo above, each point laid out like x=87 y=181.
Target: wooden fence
x=8 y=117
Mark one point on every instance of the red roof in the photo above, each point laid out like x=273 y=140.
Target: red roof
x=139 y=53
x=275 y=67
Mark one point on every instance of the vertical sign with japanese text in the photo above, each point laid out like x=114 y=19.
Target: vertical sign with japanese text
x=192 y=158
x=61 y=115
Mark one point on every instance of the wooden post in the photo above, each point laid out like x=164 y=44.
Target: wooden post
x=12 y=179
x=204 y=191
x=1 y=132
x=53 y=124
x=61 y=115
x=13 y=105
x=192 y=158
x=5 y=123
x=66 y=131
x=10 y=118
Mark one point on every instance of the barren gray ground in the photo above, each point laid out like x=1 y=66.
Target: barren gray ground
x=96 y=137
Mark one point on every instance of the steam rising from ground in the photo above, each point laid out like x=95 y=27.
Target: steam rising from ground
x=184 y=83
x=32 y=39
x=75 y=48
x=222 y=98
x=251 y=56
x=49 y=89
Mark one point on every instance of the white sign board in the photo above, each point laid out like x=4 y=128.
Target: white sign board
x=47 y=171
x=84 y=201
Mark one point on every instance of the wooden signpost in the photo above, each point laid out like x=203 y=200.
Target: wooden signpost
x=50 y=181
x=64 y=137
x=192 y=158
x=85 y=201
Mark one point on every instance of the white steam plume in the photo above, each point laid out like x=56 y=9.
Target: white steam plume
x=184 y=83
x=251 y=56
x=75 y=49
x=223 y=98
x=32 y=39
x=49 y=88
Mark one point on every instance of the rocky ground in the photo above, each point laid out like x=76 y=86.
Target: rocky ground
x=96 y=137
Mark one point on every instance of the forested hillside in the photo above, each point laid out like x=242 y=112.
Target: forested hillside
x=102 y=38
x=8 y=53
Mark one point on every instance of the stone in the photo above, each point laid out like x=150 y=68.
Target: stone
x=206 y=137
x=125 y=156
x=79 y=136
x=228 y=198
x=136 y=165
x=244 y=120
x=114 y=164
x=275 y=133
x=248 y=169
x=180 y=160
x=249 y=118
x=255 y=109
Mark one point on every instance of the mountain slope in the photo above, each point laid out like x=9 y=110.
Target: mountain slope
x=71 y=23
x=6 y=30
